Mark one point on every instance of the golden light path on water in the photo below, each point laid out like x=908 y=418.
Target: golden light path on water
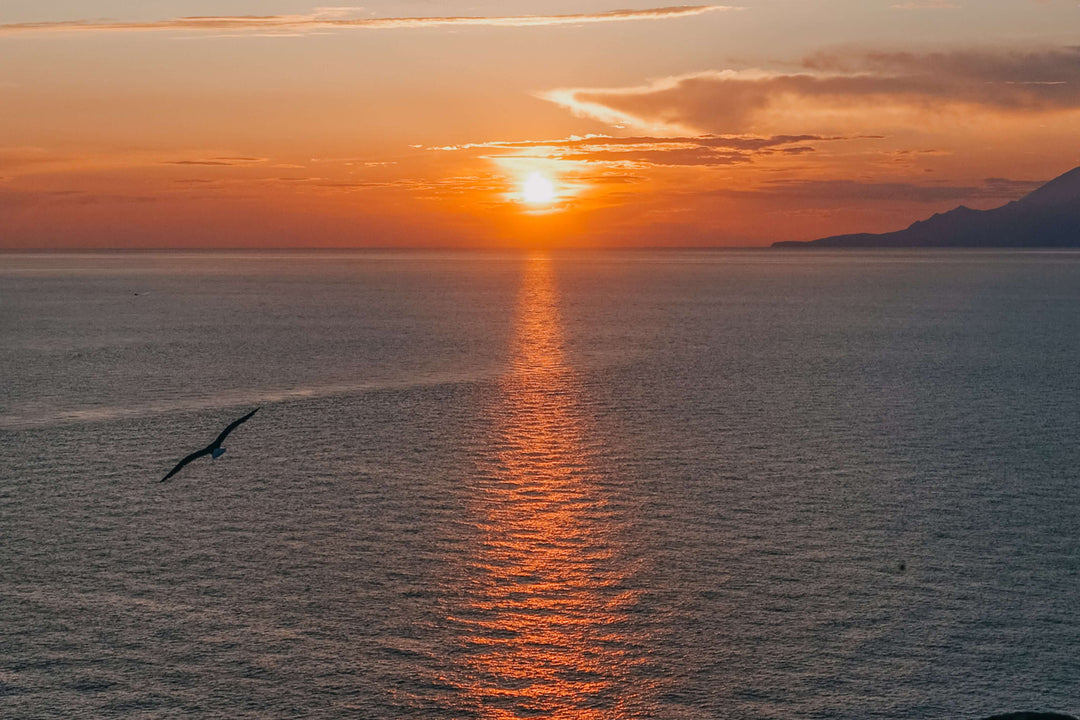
x=546 y=618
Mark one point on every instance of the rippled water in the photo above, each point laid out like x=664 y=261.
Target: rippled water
x=585 y=485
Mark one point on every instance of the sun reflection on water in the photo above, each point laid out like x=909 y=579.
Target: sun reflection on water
x=546 y=618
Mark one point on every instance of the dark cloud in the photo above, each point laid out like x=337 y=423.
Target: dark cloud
x=1040 y=80
x=858 y=191
x=612 y=179
x=833 y=191
x=1008 y=187
x=727 y=101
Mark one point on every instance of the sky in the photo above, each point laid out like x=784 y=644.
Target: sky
x=522 y=123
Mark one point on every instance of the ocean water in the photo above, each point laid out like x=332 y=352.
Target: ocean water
x=622 y=485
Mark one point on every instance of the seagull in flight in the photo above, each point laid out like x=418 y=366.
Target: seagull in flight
x=214 y=449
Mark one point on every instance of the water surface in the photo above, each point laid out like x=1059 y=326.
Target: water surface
x=581 y=485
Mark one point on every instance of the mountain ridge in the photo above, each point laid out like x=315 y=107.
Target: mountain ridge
x=1047 y=217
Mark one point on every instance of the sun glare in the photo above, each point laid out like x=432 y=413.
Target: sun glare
x=537 y=189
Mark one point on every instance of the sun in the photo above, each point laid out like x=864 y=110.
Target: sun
x=537 y=189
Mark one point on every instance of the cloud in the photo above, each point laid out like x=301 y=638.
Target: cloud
x=730 y=142
x=1006 y=187
x=853 y=191
x=14 y=199
x=220 y=161
x=694 y=156
x=611 y=179
x=834 y=84
x=700 y=150
x=19 y=157
x=926 y=5
x=332 y=19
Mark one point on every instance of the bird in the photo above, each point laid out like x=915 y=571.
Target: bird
x=214 y=449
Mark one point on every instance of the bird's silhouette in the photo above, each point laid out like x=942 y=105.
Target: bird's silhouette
x=214 y=449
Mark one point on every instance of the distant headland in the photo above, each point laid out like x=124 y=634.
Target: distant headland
x=1048 y=217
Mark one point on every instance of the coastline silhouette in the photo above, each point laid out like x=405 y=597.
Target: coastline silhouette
x=1048 y=217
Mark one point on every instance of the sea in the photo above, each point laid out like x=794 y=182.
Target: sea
x=581 y=485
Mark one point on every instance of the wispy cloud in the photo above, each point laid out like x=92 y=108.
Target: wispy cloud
x=853 y=191
x=331 y=19
x=27 y=199
x=837 y=83
x=24 y=155
x=700 y=150
x=593 y=141
x=926 y=5
x=218 y=161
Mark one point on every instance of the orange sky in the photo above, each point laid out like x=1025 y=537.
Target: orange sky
x=269 y=123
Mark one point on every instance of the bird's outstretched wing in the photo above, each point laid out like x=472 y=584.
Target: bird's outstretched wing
x=231 y=427
x=185 y=461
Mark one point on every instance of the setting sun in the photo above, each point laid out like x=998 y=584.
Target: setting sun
x=537 y=189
